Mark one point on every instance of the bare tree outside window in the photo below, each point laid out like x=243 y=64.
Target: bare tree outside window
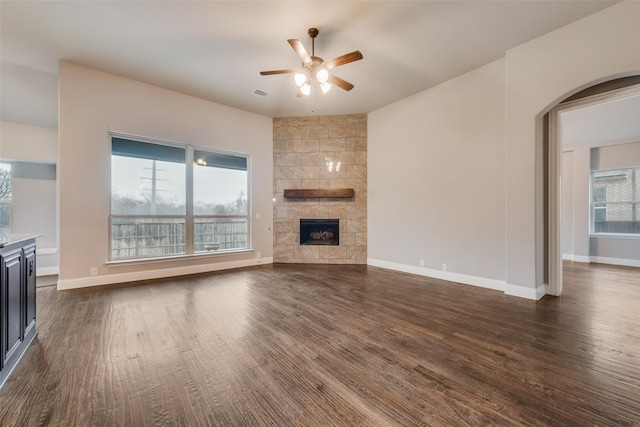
x=5 y=183
x=5 y=198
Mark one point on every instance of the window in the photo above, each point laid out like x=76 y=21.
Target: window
x=5 y=198
x=615 y=201
x=219 y=201
x=600 y=204
x=169 y=200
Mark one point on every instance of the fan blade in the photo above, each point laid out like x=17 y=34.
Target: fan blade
x=337 y=81
x=344 y=59
x=300 y=50
x=269 y=73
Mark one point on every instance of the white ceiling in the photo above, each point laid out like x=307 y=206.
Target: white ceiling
x=216 y=49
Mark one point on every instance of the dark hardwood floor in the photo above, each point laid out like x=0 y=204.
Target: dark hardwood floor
x=313 y=345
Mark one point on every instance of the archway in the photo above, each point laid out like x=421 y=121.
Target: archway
x=552 y=160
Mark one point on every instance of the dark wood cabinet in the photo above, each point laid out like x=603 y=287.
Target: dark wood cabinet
x=17 y=302
x=11 y=291
x=29 y=252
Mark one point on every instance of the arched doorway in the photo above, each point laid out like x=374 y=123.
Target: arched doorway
x=599 y=93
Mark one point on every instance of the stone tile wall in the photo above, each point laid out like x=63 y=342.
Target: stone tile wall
x=320 y=152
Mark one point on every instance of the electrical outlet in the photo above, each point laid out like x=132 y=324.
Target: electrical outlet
x=259 y=256
x=93 y=271
x=257 y=216
x=421 y=263
x=444 y=267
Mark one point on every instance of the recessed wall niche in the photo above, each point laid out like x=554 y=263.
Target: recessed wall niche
x=320 y=152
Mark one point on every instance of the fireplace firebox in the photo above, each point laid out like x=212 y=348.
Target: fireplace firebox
x=320 y=232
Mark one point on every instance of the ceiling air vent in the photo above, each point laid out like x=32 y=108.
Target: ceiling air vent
x=261 y=93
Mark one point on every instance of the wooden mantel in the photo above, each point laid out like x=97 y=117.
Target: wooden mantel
x=320 y=192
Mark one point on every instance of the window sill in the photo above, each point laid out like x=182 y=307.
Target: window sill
x=174 y=258
x=614 y=236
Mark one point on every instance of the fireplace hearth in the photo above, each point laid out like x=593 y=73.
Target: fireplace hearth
x=320 y=232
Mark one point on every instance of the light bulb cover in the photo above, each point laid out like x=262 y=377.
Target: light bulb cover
x=325 y=87
x=322 y=75
x=300 y=79
x=305 y=89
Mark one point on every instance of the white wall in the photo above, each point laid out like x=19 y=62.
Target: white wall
x=34 y=201
x=581 y=203
x=436 y=180
x=575 y=203
x=567 y=202
x=415 y=140
x=601 y=123
x=34 y=194
x=28 y=95
x=616 y=156
x=28 y=143
x=541 y=73
x=615 y=250
x=92 y=103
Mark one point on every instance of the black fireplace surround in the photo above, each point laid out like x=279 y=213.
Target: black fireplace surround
x=320 y=232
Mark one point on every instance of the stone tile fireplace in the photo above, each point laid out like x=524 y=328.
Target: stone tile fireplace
x=326 y=154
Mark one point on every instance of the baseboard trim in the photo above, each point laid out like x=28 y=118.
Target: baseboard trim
x=567 y=257
x=497 y=285
x=624 y=262
x=525 y=292
x=46 y=251
x=47 y=271
x=616 y=261
x=111 y=279
x=581 y=258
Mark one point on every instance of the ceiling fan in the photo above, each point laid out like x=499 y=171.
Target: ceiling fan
x=315 y=69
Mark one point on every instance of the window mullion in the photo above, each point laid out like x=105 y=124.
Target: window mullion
x=189 y=199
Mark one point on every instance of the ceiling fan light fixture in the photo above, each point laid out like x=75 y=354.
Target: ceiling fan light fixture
x=300 y=79
x=322 y=75
x=315 y=71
